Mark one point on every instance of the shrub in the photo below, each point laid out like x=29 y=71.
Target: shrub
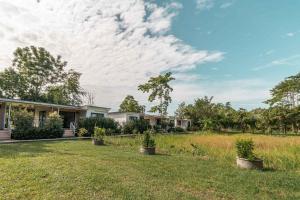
x=136 y=126
x=23 y=120
x=197 y=150
x=90 y=123
x=148 y=141
x=245 y=149
x=193 y=128
x=176 y=130
x=128 y=128
x=99 y=133
x=54 y=125
x=82 y=132
x=24 y=129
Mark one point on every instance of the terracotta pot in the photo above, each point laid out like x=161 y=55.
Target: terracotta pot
x=147 y=150
x=249 y=164
x=98 y=142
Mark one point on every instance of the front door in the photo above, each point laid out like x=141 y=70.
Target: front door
x=42 y=118
x=67 y=117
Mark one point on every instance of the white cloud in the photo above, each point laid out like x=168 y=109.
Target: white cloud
x=291 y=34
x=115 y=44
x=239 y=92
x=205 y=4
x=226 y=5
x=293 y=60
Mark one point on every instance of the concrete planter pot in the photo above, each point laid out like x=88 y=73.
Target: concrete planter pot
x=249 y=164
x=98 y=142
x=147 y=150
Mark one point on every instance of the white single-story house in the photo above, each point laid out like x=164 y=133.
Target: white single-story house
x=154 y=120
x=182 y=123
x=124 y=117
x=69 y=114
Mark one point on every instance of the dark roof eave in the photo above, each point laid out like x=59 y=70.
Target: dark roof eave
x=5 y=100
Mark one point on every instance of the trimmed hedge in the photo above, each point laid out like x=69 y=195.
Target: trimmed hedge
x=36 y=133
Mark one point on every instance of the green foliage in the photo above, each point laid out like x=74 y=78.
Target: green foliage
x=197 y=150
x=23 y=120
x=38 y=76
x=160 y=90
x=138 y=126
x=82 y=132
x=54 y=124
x=90 y=123
x=286 y=92
x=99 y=133
x=148 y=141
x=129 y=104
x=24 y=130
x=245 y=149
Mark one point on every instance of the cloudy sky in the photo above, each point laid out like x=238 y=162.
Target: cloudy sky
x=234 y=50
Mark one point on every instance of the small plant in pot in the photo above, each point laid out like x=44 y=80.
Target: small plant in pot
x=246 y=159
x=98 y=136
x=148 y=145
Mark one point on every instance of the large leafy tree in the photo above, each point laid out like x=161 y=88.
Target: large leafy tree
x=38 y=76
x=159 y=90
x=287 y=92
x=129 y=104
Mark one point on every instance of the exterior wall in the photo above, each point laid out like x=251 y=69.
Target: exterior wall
x=92 y=109
x=152 y=121
x=36 y=119
x=123 y=118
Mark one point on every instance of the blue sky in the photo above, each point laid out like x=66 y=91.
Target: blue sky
x=260 y=40
x=234 y=50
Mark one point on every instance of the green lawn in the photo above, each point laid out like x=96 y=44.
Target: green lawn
x=79 y=170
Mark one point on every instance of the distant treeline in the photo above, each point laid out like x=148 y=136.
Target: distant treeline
x=282 y=115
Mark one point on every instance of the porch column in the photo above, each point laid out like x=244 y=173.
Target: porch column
x=2 y=116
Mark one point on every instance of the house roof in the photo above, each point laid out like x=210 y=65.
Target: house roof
x=115 y=113
x=94 y=106
x=48 y=104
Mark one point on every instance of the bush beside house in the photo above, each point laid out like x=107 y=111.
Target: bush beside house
x=136 y=126
x=24 y=129
x=90 y=123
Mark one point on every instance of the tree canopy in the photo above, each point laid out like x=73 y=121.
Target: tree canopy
x=38 y=76
x=282 y=115
x=286 y=92
x=159 y=90
x=129 y=104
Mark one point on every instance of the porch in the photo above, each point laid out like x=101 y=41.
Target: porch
x=41 y=111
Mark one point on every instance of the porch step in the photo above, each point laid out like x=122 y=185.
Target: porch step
x=4 y=135
x=68 y=133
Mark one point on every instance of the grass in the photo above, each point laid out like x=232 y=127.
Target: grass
x=79 y=170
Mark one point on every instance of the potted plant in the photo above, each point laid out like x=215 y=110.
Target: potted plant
x=246 y=159
x=148 y=145
x=98 y=137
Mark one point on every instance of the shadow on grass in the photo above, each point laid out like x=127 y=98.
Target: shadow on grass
x=268 y=169
x=28 y=149
x=161 y=154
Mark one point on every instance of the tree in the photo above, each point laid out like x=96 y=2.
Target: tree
x=286 y=93
x=129 y=104
x=181 y=111
x=38 y=76
x=160 y=90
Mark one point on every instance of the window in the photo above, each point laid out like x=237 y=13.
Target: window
x=97 y=115
x=132 y=118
